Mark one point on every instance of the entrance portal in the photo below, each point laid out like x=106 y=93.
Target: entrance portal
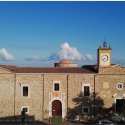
x=56 y=108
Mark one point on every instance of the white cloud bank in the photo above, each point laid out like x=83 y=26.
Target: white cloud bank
x=68 y=52
x=88 y=57
x=33 y=58
x=5 y=55
x=53 y=56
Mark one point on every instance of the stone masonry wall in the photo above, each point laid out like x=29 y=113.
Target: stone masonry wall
x=34 y=101
x=6 y=95
x=49 y=80
x=75 y=86
x=39 y=105
x=106 y=87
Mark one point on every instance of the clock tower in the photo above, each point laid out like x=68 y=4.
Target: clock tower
x=104 y=56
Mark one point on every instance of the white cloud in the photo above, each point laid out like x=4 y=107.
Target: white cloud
x=5 y=55
x=53 y=56
x=68 y=52
x=33 y=58
x=88 y=57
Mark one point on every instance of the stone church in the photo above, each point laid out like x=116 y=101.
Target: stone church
x=45 y=92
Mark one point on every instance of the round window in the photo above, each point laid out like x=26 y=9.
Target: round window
x=119 y=86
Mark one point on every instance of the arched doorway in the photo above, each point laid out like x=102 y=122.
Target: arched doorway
x=56 y=108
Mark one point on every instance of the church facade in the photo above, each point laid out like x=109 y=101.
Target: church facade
x=45 y=92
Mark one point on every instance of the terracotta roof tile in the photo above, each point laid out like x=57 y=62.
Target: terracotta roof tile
x=52 y=70
x=46 y=69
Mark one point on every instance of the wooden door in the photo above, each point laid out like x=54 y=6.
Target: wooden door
x=56 y=108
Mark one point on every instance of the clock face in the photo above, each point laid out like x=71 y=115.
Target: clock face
x=104 y=58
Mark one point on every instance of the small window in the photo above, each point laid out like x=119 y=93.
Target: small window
x=86 y=91
x=119 y=86
x=25 y=91
x=85 y=110
x=56 y=86
x=25 y=109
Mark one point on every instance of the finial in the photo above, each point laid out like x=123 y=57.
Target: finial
x=104 y=43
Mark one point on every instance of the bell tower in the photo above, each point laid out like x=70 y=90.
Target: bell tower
x=104 y=56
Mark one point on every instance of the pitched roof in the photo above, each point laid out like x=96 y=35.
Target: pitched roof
x=46 y=69
x=93 y=68
x=51 y=70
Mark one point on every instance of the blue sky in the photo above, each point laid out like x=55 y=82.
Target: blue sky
x=40 y=33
